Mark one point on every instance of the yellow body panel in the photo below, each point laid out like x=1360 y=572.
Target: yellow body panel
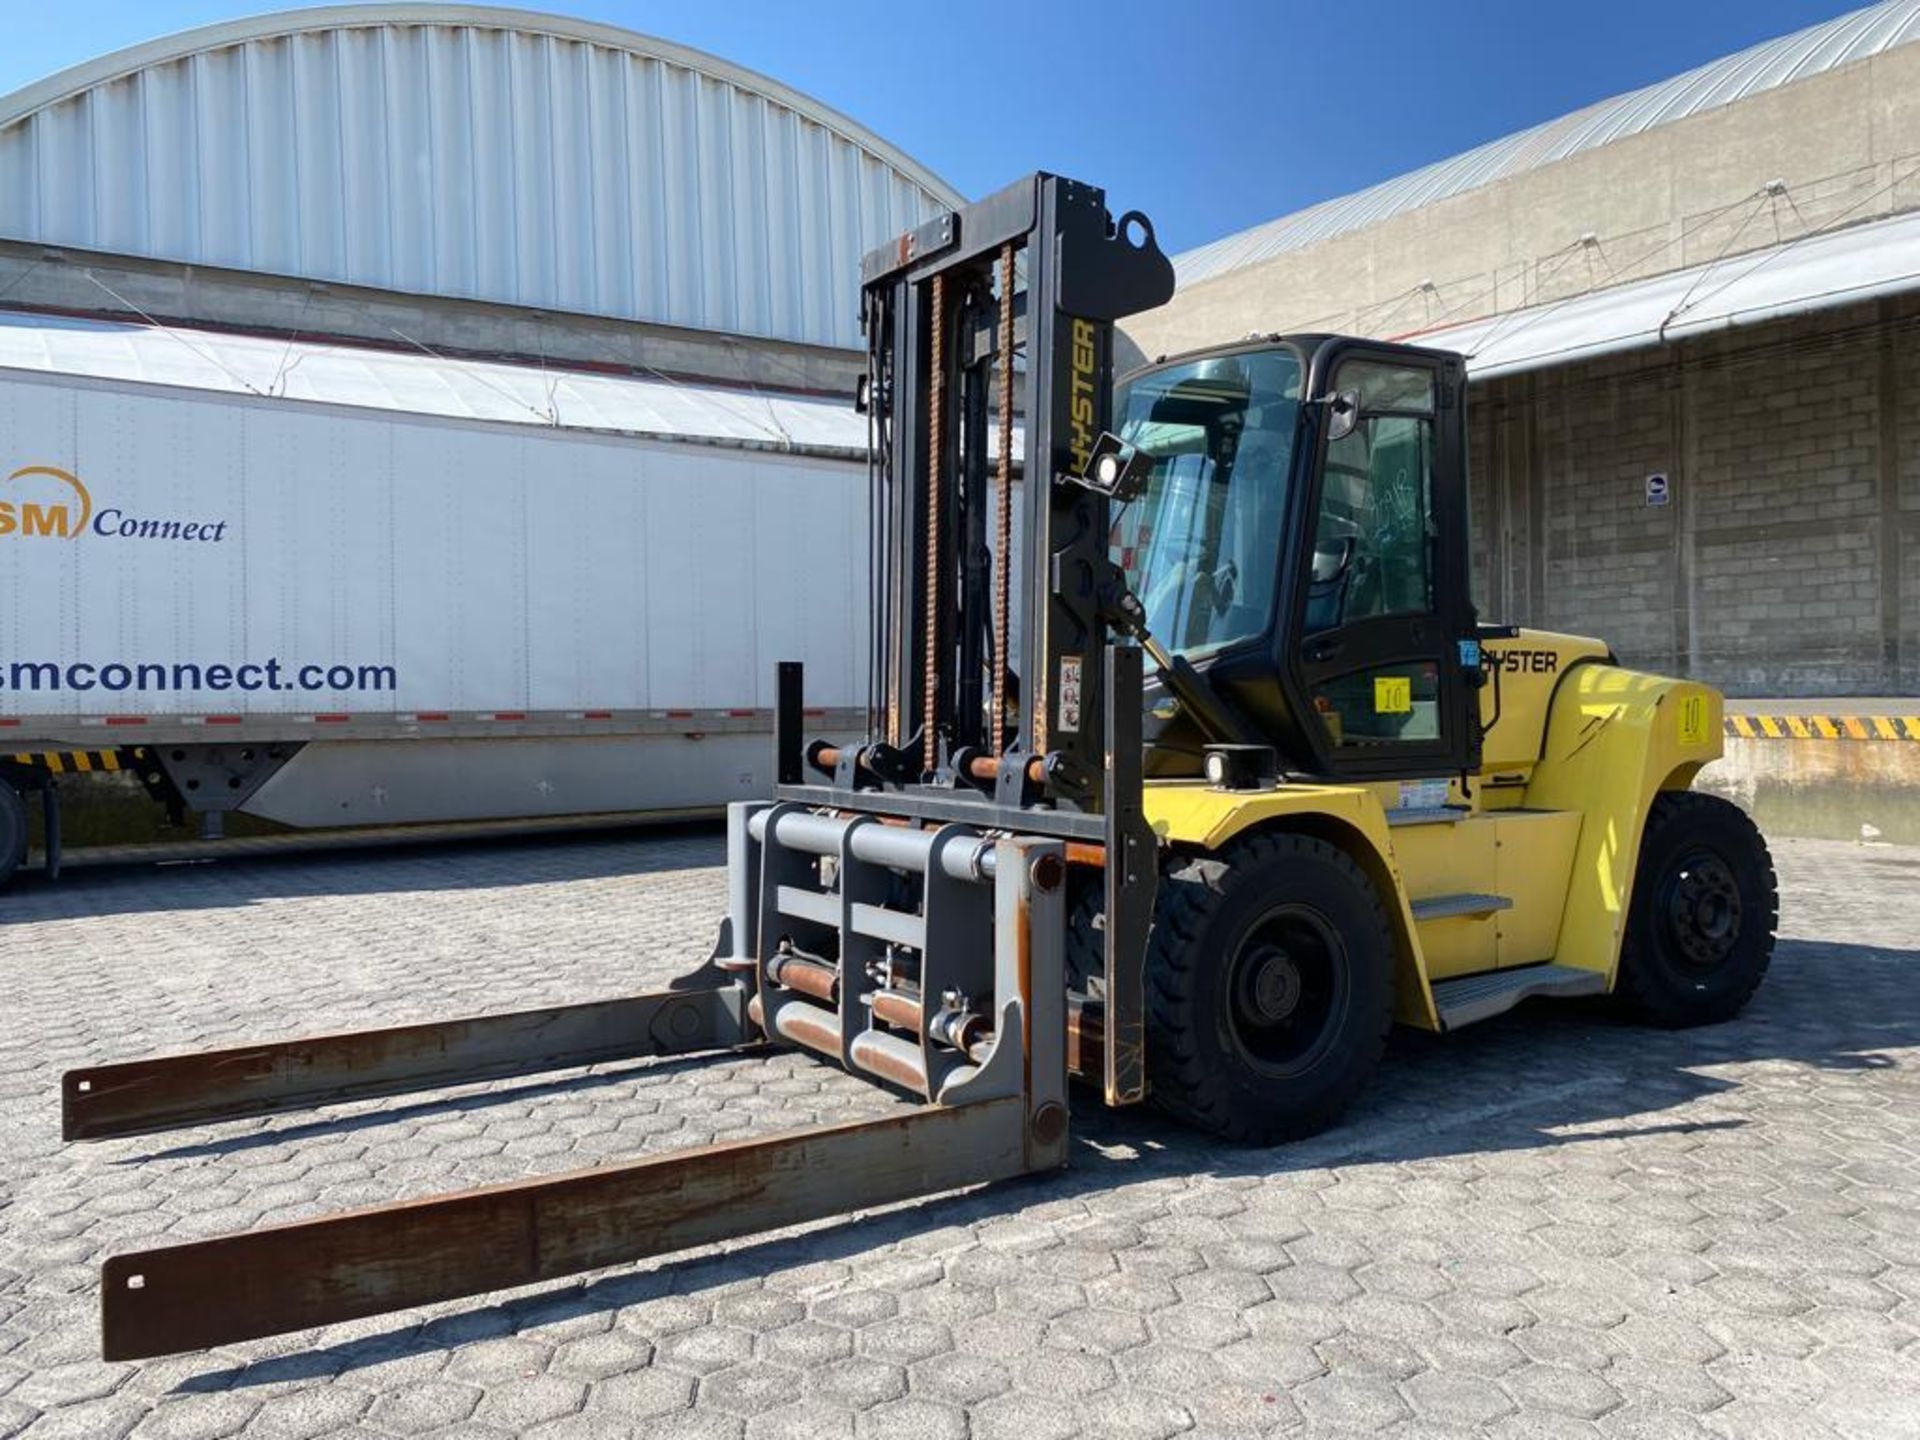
x=1193 y=814
x=1536 y=849
x=1615 y=740
x=1575 y=750
x=1526 y=671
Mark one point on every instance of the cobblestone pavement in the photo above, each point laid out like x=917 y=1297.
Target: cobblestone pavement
x=1550 y=1225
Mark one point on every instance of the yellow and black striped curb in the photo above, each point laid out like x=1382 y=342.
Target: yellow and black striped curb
x=1823 y=727
x=66 y=762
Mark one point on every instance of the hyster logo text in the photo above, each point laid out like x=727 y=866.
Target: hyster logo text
x=48 y=502
x=1085 y=359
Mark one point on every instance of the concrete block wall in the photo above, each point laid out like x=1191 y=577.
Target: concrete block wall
x=1604 y=547
x=1787 y=560
x=1783 y=459
x=1900 y=541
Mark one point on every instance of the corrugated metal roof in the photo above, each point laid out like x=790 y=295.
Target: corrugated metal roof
x=270 y=369
x=472 y=152
x=1819 y=272
x=1762 y=67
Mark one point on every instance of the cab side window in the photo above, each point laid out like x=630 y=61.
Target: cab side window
x=1375 y=537
x=1375 y=555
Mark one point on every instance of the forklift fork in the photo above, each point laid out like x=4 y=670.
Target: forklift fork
x=141 y=1096
x=939 y=957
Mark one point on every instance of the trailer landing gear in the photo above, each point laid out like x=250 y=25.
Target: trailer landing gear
x=15 y=825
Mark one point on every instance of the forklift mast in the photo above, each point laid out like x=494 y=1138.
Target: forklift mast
x=1000 y=309
x=1031 y=727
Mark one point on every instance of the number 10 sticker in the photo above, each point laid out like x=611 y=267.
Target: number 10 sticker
x=1392 y=694
x=1693 y=719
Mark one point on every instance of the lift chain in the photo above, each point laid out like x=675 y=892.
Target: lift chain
x=1003 y=530
x=930 y=685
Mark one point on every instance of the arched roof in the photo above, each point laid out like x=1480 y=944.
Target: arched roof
x=467 y=151
x=1771 y=63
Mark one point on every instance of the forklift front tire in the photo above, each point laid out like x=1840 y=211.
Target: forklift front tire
x=1269 y=988
x=1701 y=922
x=13 y=831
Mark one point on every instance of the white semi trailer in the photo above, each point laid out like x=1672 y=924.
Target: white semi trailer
x=333 y=585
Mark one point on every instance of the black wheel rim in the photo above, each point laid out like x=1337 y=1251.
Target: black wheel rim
x=1286 y=990
x=1699 y=907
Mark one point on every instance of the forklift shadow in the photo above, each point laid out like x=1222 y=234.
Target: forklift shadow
x=509 y=1091
x=236 y=874
x=1545 y=1077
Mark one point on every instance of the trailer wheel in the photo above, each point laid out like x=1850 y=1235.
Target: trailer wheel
x=1701 y=922
x=1269 y=988
x=13 y=831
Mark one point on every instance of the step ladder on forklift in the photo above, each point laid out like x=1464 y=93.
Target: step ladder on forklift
x=1471 y=998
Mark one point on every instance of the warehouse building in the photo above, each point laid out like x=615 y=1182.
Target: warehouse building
x=1690 y=315
x=452 y=179
x=463 y=372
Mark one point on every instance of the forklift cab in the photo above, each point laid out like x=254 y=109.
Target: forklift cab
x=1301 y=541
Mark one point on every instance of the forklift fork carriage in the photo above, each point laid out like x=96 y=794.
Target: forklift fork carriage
x=997 y=1110
x=903 y=913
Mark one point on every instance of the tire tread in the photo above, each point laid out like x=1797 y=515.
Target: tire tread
x=13 y=831
x=1182 y=1084
x=1637 y=988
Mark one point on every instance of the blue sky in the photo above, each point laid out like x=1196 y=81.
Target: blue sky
x=1210 y=117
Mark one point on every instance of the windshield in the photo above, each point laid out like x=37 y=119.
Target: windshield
x=1201 y=544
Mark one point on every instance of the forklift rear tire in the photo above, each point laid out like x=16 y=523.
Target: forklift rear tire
x=1701 y=922
x=13 y=831
x=1269 y=988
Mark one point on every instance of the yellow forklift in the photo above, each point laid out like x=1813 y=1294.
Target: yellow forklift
x=1189 y=769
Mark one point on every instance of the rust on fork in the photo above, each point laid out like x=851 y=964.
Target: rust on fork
x=389 y=1257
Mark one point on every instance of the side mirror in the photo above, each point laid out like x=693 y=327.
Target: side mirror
x=1343 y=414
x=1330 y=560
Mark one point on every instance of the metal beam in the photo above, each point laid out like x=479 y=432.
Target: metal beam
x=366 y=1262
x=166 y=1092
x=1130 y=880
x=966 y=807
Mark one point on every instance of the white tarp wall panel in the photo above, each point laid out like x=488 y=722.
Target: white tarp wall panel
x=585 y=595
x=787 y=543
x=493 y=567
x=407 y=383
x=701 y=584
x=460 y=592
x=473 y=153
